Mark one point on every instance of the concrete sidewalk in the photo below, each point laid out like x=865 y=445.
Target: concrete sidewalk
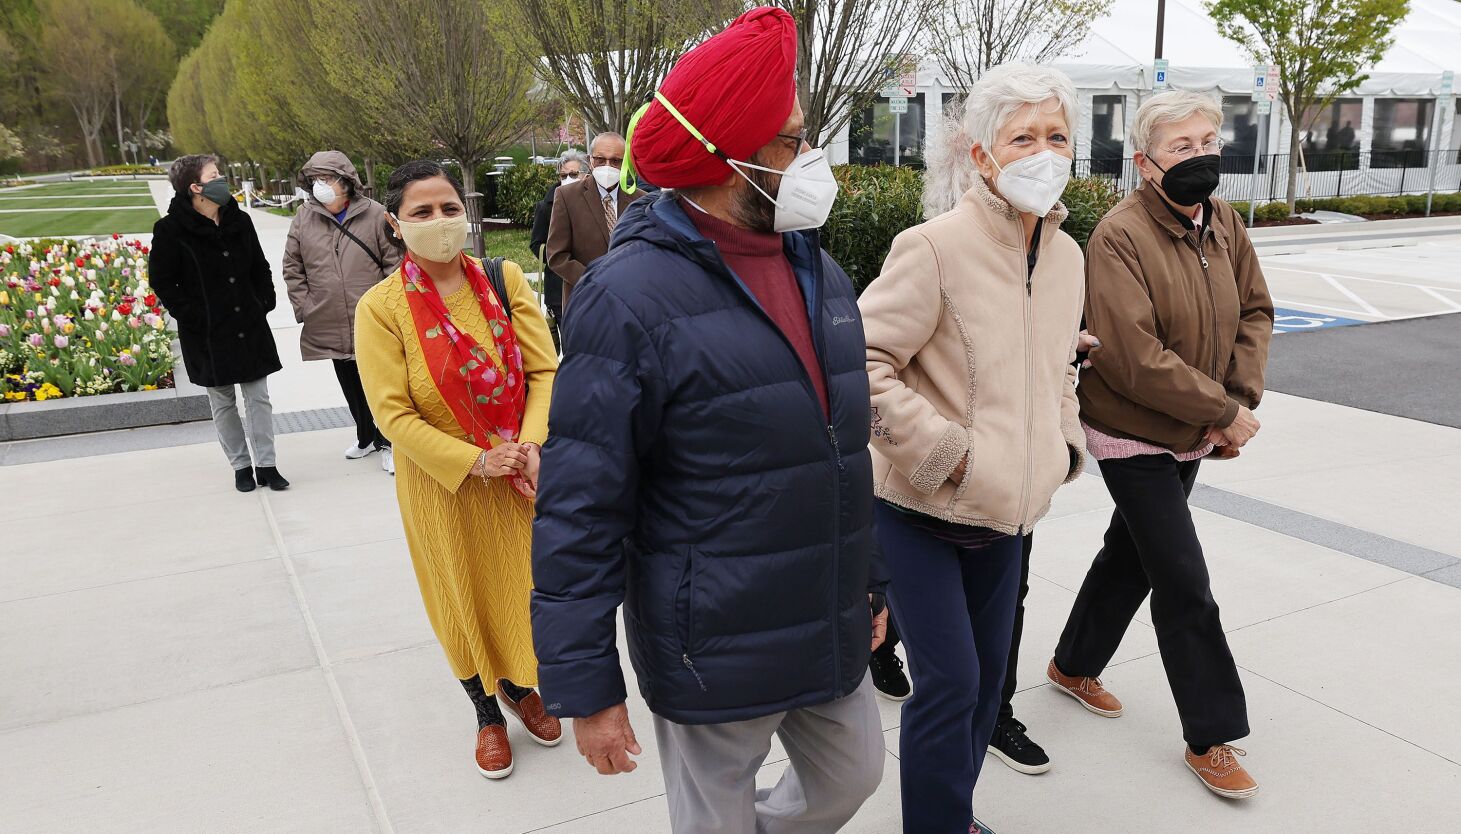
x=183 y=658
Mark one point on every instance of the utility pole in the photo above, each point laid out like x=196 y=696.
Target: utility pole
x=1161 y=24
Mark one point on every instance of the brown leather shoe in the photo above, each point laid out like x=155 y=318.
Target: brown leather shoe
x=1088 y=691
x=544 y=728
x=1219 y=770
x=494 y=753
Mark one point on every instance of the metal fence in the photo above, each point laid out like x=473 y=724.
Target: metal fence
x=1337 y=174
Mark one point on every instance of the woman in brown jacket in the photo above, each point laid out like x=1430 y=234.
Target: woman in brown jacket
x=1178 y=301
x=971 y=331
x=336 y=250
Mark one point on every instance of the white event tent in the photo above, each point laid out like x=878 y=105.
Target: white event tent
x=1379 y=139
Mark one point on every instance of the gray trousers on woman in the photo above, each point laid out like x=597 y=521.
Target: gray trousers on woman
x=836 y=751
x=230 y=426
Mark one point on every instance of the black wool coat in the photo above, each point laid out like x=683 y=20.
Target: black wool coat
x=215 y=281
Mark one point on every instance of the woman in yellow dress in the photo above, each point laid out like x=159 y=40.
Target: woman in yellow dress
x=460 y=380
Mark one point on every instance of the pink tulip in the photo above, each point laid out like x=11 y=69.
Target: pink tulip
x=4 y=331
x=127 y=359
x=36 y=340
x=61 y=341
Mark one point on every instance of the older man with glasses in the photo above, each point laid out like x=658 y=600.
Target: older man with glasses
x=571 y=167
x=585 y=213
x=1177 y=298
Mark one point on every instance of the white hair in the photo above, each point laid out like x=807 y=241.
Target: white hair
x=574 y=155
x=1166 y=108
x=993 y=100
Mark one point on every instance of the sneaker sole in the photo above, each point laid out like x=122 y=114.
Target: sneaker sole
x=1225 y=794
x=496 y=774
x=1104 y=713
x=1032 y=770
x=534 y=736
x=361 y=456
x=897 y=699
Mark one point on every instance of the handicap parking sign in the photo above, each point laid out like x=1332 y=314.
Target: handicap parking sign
x=1294 y=321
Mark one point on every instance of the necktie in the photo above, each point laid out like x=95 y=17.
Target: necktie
x=611 y=211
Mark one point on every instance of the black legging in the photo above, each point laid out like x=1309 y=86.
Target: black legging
x=366 y=431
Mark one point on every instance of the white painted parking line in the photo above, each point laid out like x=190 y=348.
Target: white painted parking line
x=1371 y=285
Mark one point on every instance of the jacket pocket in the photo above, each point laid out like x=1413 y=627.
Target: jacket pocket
x=685 y=624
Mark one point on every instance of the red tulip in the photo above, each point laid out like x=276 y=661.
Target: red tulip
x=150 y=299
x=80 y=263
x=55 y=282
x=116 y=236
x=124 y=308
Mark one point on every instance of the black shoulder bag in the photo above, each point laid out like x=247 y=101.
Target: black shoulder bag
x=499 y=284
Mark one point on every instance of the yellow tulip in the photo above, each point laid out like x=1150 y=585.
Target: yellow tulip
x=4 y=298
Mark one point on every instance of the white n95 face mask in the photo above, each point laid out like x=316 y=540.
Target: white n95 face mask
x=324 y=192
x=1033 y=184
x=807 y=191
x=607 y=176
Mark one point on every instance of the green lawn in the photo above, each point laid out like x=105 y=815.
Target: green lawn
x=49 y=223
x=513 y=245
x=71 y=189
x=19 y=201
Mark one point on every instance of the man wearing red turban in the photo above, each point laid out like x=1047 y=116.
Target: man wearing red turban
x=708 y=469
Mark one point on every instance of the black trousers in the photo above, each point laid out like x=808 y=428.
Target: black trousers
x=1006 y=708
x=555 y=314
x=1152 y=547
x=366 y=432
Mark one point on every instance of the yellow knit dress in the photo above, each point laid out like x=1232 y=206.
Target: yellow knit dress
x=470 y=542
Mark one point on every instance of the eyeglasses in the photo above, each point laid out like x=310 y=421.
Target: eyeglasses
x=800 y=138
x=573 y=175
x=1187 y=149
x=613 y=161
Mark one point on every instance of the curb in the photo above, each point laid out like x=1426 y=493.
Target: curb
x=183 y=403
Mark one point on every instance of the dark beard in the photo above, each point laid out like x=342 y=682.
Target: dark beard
x=751 y=208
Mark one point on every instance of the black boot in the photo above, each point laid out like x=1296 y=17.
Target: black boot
x=269 y=476
x=243 y=479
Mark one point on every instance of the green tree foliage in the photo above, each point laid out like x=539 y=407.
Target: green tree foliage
x=605 y=58
x=103 y=59
x=1322 y=49
x=184 y=20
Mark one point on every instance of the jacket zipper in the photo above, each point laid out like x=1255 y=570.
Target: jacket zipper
x=688 y=635
x=1029 y=370
x=1211 y=300
x=820 y=336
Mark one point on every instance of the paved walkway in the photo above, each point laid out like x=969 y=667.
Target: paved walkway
x=180 y=658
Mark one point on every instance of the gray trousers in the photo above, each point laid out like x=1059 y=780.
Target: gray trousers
x=836 y=751
x=230 y=426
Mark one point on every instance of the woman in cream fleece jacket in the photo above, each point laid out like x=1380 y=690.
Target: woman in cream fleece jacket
x=971 y=333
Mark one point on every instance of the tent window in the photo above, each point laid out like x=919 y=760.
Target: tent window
x=871 y=135
x=1108 y=134
x=1331 y=142
x=1401 y=132
x=1240 y=134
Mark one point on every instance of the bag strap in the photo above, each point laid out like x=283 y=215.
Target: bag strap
x=499 y=284
x=379 y=264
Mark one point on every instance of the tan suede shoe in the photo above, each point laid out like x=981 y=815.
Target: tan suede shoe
x=1219 y=770
x=1088 y=691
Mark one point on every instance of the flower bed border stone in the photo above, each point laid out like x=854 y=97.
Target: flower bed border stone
x=183 y=403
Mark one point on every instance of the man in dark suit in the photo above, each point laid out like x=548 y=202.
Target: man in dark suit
x=585 y=211
x=572 y=167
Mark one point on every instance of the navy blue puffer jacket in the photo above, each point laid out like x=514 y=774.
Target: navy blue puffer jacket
x=691 y=474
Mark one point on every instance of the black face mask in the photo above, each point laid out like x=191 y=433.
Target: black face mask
x=1191 y=181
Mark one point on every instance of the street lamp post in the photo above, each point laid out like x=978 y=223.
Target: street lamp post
x=1161 y=24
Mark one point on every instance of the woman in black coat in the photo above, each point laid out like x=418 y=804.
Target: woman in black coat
x=208 y=268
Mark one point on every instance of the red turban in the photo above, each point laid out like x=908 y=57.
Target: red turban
x=736 y=88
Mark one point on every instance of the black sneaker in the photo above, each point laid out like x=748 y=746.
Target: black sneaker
x=1016 y=749
x=888 y=677
x=977 y=827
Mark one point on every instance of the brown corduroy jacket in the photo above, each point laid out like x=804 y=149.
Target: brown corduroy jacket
x=1184 y=323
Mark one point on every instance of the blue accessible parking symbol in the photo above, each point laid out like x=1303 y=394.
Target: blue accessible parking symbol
x=1286 y=320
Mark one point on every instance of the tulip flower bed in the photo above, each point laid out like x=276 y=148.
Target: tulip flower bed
x=77 y=319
